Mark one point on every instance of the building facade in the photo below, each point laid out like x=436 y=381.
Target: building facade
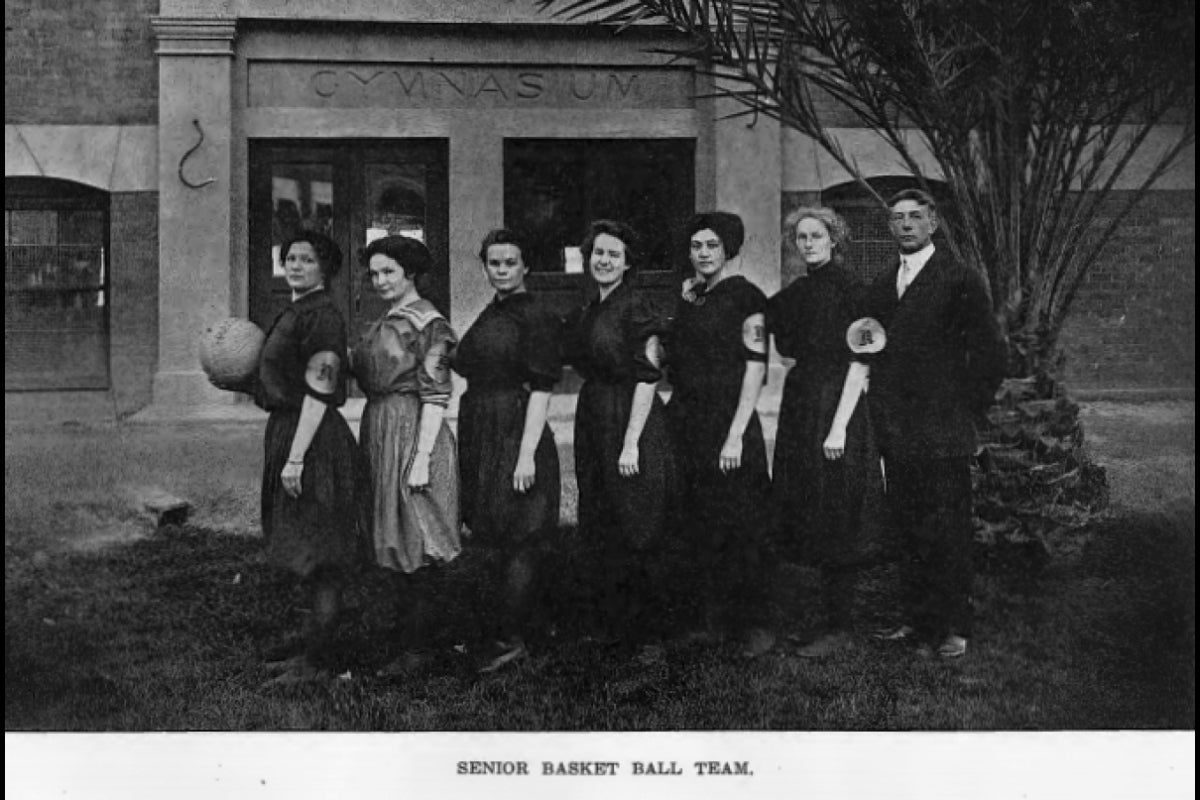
x=157 y=154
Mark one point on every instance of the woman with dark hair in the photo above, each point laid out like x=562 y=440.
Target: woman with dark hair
x=827 y=480
x=510 y=477
x=315 y=486
x=403 y=366
x=623 y=459
x=717 y=362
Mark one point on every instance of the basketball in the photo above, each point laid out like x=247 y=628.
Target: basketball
x=229 y=352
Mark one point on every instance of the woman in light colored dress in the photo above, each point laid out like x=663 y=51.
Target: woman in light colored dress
x=402 y=364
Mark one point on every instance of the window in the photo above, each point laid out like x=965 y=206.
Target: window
x=56 y=276
x=302 y=196
x=872 y=247
x=354 y=191
x=553 y=188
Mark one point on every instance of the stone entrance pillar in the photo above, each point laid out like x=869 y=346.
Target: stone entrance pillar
x=749 y=168
x=195 y=61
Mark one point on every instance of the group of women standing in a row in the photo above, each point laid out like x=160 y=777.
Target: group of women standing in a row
x=654 y=480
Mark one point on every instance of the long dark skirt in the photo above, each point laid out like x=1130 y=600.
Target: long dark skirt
x=491 y=423
x=828 y=513
x=626 y=513
x=724 y=517
x=327 y=525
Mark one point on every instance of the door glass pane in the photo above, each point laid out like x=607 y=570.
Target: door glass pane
x=395 y=201
x=355 y=192
x=302 y=199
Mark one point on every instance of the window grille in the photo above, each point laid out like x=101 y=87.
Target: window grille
x=56 y=279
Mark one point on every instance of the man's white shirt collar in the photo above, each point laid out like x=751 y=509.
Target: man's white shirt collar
x=911 y=265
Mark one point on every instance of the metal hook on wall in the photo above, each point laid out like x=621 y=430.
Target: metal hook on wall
x=183 y=178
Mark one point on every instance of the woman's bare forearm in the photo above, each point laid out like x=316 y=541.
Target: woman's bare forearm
x=852 y=389
x=752 y=383
x=536 y=411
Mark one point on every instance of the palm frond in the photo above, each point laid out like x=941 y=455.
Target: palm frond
x=1026 y=106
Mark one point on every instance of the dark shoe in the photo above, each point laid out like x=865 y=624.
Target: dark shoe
x=952 y=647
x=301 y=673
x=757 y=642
x=827 y=646
x=699 y=636
x=650 y=655
x=601 y=638
x=409 y=663
x=704 y=637
x=899 y=633
x=285 y=664
x=505 y=654
x=284 y=651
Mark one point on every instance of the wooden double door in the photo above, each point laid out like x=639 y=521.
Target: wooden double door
x=354 y=191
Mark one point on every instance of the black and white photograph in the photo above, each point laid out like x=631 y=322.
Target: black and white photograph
x=664 y=398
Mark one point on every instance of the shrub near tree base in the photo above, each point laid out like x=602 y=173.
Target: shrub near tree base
x=1035 y=490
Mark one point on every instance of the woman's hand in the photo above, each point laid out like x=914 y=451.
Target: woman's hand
x=290 y=476
x=418 y=473
x=731 y=455
x=627 y=464
x=525 y=473
x=835 y=443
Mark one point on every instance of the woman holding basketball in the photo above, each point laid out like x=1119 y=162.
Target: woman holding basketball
x=315 y=484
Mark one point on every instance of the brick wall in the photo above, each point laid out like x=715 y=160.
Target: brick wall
x=1132 y=325
x=133 y=318
x=79 y=62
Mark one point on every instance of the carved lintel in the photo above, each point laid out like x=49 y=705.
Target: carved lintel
x=194 y=36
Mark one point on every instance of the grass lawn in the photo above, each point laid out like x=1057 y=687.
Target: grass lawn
x=111 y=624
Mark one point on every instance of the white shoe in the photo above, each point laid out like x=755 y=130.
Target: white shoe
x=952 y=647
x=507 y=652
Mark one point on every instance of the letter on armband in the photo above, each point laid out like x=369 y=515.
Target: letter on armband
x=322 y=372
x=866 y=335
x=754 y=334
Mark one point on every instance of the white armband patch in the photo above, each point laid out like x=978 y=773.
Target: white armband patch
x=866 y=335
x=322 y=372
x=654 y=351
x=754 y=334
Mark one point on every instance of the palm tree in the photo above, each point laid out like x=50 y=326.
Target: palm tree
x=1048 y=120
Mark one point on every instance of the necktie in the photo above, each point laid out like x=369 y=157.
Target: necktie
x=906 y=271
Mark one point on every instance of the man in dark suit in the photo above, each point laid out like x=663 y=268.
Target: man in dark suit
x=937 y=375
